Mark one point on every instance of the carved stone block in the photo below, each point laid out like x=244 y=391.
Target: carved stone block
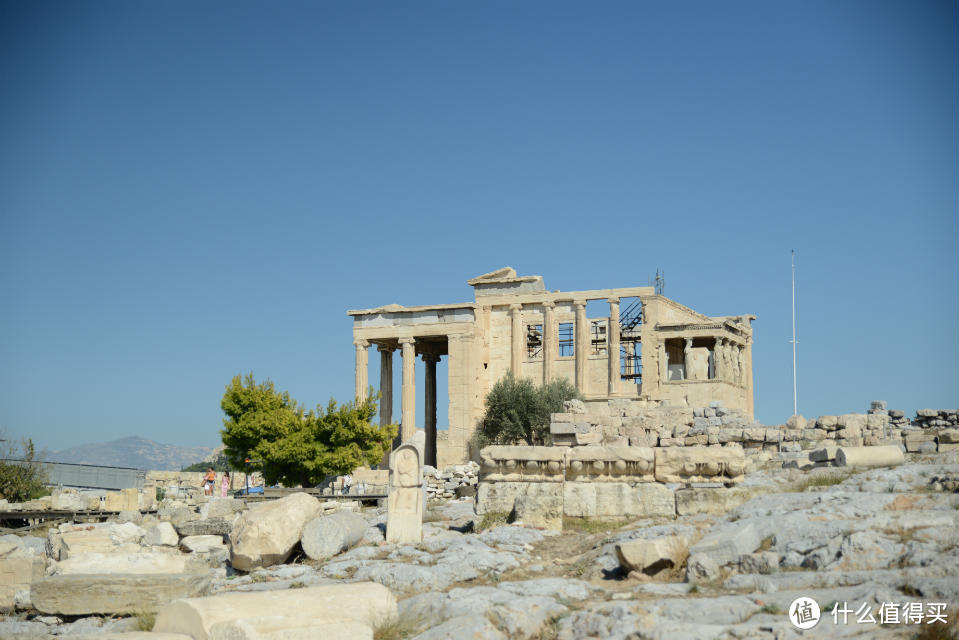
x=502 y=463
x=700 y=464
x=610 y=464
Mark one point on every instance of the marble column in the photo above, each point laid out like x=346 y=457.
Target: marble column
x=362 y=383
x=549 y=341
x=386 y=384
x=663 y=363
x=516 y=333
x=429 y=415
x=719 y=355
x=687 y=352
x=612 y=333
x=409 y=390
x=581 y=345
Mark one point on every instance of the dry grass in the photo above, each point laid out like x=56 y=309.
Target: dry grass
x=940 y=631
x=590 y=525
x=901 y=534
x=820 y=480
x=398 y=628
x=767 y=543
x=144 y=620
x=492 y=520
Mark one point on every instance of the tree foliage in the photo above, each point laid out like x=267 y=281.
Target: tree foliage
x=517 y=411
x=22 y=474
x=294 y=446
x=220 y=464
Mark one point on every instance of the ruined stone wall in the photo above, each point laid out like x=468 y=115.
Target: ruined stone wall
x=542 y=485
x=622 y=422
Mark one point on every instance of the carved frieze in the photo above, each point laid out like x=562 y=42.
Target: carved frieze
x=700 y=464
x=504 y=463
x=610 y=464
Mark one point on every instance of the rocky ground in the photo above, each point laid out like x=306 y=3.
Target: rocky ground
x=870 y=542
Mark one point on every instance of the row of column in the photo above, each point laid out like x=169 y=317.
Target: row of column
x=581 y=343
x=408 y=400
x=730 y=360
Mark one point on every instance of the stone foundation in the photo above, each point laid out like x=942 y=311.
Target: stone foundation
x=541 y=485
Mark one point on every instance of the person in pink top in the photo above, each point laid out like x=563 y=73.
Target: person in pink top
x=225 y=484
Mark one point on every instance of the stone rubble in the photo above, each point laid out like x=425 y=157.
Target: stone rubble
x=726 y=562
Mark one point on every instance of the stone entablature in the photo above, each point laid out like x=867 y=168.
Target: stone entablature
x=631 y=465
x=646 y=348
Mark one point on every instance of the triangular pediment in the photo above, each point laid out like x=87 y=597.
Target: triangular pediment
x=494 y=276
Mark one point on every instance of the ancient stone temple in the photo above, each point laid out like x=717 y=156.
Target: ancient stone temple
x=645 y=347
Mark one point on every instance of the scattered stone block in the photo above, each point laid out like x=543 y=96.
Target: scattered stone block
x=728 y=543
x=266 y=534
x=366 y=603
x=325 y=537
x=210 y=527
x=123 y=500
x=81 y=595
x=161 y=534
x=825 y=454
x=222 y=508
x=869 y=456
x=652 y=556
x=763 y=562
x=202 y=544
x=71 y=539
x=140 y=562
x=949 y=436
x=16 y=576
x=289 y=628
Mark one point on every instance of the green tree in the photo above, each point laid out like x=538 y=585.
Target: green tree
x=294 y=446
x=22 y=474
x=517 y=411
x=220 y=464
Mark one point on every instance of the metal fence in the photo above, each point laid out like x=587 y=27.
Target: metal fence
x=91 y=476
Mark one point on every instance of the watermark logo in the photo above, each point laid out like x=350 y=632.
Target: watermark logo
x=804 y=613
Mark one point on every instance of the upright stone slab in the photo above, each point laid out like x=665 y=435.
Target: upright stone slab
x=404 y=523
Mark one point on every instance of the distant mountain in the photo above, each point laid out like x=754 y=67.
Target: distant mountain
x=139 y=453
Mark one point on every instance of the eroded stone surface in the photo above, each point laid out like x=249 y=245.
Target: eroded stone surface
x=266 y=534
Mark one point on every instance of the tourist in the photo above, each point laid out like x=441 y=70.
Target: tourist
x=225 y=484
x=209 y=480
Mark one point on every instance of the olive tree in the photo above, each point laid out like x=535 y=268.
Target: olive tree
x=518 y=411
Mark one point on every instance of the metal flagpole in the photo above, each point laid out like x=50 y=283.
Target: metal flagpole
x=795 y=404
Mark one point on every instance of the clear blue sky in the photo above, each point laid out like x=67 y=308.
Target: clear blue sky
x=190 y=190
